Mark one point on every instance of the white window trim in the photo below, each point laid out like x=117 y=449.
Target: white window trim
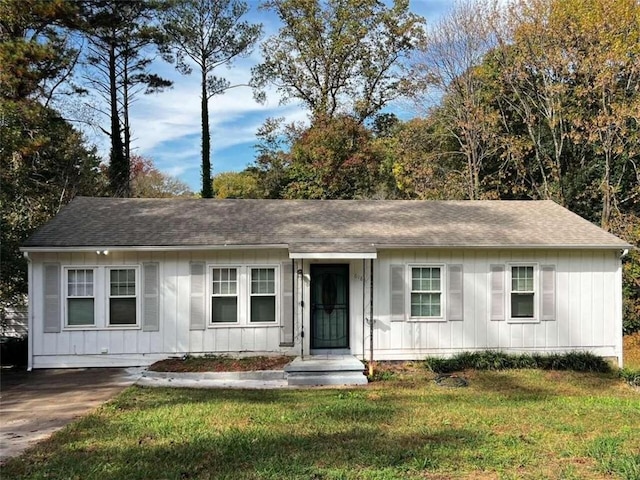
x=209 y=290
x=107 y=291
x=275 y=294
x=100 y=298
x=536 y=292
x=244 y=295
x=65 y=302
x=409 y=284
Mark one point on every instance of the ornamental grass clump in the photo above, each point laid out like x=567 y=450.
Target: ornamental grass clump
x=497 y=360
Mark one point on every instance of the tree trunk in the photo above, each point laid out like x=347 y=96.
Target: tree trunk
x=126 y=189
x=117 y=178
x=207 y=187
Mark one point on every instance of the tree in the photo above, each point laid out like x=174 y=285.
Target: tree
x=149 y=182
x=44 y=162
x=210 y=33
x=425 y=164
x=338 y=57
x=120 y=36
x=447 y=64
x=335 y=158
x=34 y=38
x=566 y=83
x=237 y=184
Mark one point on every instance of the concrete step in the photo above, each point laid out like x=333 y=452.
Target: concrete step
x=326 y=370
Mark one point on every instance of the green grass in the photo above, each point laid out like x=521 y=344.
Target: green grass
x=518 y=424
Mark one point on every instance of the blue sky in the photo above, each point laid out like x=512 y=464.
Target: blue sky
x=166 y=126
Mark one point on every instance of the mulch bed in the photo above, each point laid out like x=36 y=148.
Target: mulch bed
x=220 y=364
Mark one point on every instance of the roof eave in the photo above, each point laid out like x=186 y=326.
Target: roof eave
x=170 y=248
x=152 y=248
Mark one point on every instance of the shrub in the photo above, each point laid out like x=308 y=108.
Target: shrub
x=496 y=360
x=632 y=377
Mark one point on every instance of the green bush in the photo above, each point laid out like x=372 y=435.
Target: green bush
x=632 y=377
x=497 y=360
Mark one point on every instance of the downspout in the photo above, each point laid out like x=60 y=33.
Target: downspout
x=371 y=320
x=29 y=312
x=364 y=312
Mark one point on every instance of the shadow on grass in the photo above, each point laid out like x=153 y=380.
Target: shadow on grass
x=240 y=454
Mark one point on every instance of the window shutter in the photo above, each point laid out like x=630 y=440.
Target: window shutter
x=196 y=304
x=397 y=300
x=548 y=292
x=286 y=305
x=150 y=298
x=497 y=292
x=51 y=291
x=454 y=292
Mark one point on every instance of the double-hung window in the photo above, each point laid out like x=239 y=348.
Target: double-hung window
x=122 y=296
x=263 y=295
x=80 y=297
x=522 y=292
x=426 y=292
x=224 y=295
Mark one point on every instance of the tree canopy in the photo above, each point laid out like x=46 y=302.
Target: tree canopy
x=211 y=34
x=338 y=57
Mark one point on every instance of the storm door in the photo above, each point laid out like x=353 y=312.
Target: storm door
x=329 y=306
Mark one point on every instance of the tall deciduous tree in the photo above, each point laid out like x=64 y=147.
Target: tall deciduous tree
x=149 y=182
x=209 y=33
x=446 y=65
x=338 y=56
x=121 y=36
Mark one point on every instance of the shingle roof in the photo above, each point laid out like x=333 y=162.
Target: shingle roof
x=309 y=224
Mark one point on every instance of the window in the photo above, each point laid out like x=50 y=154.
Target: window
x=522 y=292
x=426 y=292
x=263 y=295
x=224 y=295
x=122 y=296
x=80 y=297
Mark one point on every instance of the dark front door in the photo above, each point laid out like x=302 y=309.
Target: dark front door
x=329 y=306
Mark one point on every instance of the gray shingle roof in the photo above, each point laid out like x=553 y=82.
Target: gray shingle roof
x=314 y=224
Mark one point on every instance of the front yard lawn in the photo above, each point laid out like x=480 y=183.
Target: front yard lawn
x=517 y=424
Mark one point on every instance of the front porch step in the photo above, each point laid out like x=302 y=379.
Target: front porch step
x=326 y=370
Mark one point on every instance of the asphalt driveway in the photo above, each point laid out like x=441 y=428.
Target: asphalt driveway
x=36 y=404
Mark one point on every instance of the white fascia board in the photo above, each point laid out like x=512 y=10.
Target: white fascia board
x=332 y=255
x=176 y=248
x=503 y=247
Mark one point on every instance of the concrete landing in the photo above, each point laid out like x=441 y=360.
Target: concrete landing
x=326 y=370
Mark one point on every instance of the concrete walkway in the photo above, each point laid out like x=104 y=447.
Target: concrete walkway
x=35 y=404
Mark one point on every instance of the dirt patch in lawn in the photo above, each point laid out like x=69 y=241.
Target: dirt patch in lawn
x=220 y=364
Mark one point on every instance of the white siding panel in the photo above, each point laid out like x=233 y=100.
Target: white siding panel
x=130 y=341
x=235 y=340
x=222 y=342
x=597 y=304
x=260 y=339
x=587 y=326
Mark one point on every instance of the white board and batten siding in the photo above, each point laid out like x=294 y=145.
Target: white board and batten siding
x=578 y=297
x=166 y=326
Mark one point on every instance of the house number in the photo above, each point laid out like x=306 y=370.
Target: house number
x=358 y=277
